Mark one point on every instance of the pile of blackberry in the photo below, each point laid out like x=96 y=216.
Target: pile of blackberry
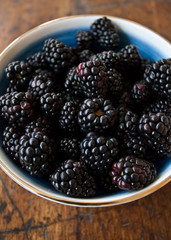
x=88 y=118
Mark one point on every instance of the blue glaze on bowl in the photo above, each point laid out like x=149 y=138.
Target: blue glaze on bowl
x=68 y=38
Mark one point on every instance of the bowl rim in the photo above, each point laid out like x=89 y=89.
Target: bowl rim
x=80 y=202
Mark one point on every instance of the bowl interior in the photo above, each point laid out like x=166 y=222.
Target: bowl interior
x=66 y=33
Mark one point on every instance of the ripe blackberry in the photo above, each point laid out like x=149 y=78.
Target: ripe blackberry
x=73 y=180
x=36 y=154
x=161 y=105
x=84 y=39
x=109 y=58
x=158 y=76
x=18 y=73
x=131 y=173
x=70 y=147
x=41 y=124
x=98 y=153
x=115 y=82
x=140 y=92
x=156 y=128
x=42 y=83
x=37 y=60
x=57 y=55
x=105 y=183
x=78 y=100
x=71 y=82
x=96 y=114
x=68 y=117
x=10 y=143
x=126 y=101
x=51 y=104
x=128 y=122
x=129 y=60
x=145 y=63
x=136 y=146
x=85 y=55
x=92 y=78
x=105 y=33
x=17 y=107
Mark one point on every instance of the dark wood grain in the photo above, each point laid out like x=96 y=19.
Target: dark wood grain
x=24 y=216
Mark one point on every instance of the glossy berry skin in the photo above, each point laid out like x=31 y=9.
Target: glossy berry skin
x=92 y=78
x=70 y=147
x=71 y=82
x=161 y=105
x=37 y=60
x=140 y=92
x=85 y=55
x=72 y=179
x=96 y=114
x=132 y=173
x=156 y=129
x=84 y=39
x=158 y=76
x=41 y=124
x=115 y=82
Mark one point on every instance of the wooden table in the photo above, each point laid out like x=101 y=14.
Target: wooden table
x=28 y=217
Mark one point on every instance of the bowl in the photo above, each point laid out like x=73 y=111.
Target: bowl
x=150 y=45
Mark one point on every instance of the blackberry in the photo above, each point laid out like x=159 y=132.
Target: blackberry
x=140 y=92
x=41 y=124
x=10 y=143
x=131 y=173
x=36 y=154
x=57 y=55
x=161 y=105
x=128 y=122
x=126 y=101
x=71 y=82
x=40 y=84
x=105 y=33
x=109 y=58
x=51 y=104
x=92 y=78
x=18 y=73
x=136 y=146
x=156 y=128
x=85 y=55
x=158 y=76
x=96 y=114
x=115 y=82
x=73 y=180
x=73 y=98
x=145 y=63
x=17 y=107
x=69 y=147
x=37 y=60
x=98 y=153
x=75 y=52
x=84 y=39
x=68 y=117
x=105 y=183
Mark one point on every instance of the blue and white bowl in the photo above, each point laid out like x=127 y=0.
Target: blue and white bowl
x=150 y=45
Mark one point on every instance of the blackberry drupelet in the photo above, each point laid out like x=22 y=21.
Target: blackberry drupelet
x=41 y=124
x=51 y=104
x=105 y=183
x=161 y=105
x=17 y=107
x=92 y=78
x=109 y=58
x=78 y=100
x=68 y=117
x=156 y=128
x=136 y=146
x=18 y=73
x=98 y=153
x=10 y=143
x=36 y=154
x=70 y=147
x=41 y=83
x=105 y=33
x=85 y=55
x=73 y=180
x=58 y=55
x=158 y=76
x=84 y=39
x=71 y=82
x=131 y=173
x=96 y=114
x=115 y=82
x=37 y=60
x=145 y=63
x=128 y=122
x=140 y=92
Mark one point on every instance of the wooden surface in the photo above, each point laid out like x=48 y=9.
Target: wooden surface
x=24 y=216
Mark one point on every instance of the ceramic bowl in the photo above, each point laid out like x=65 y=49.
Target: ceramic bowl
x=150 y=45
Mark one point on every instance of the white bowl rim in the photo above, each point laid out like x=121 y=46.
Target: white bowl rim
x=80 y=202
